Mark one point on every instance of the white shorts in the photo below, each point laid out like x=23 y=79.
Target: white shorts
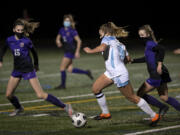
x=121 y=80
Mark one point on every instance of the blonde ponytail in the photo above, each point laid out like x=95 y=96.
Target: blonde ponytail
x=112 y=29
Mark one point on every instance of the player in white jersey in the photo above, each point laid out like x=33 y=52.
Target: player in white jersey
x=114 y=54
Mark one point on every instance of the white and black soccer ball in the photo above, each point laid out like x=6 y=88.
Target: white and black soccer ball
x=79 y=120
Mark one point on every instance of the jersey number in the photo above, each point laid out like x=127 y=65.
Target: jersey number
x=17 y=52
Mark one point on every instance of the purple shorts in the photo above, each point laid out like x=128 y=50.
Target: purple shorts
x=153 y=82
x=69 y=55
x=26 y=76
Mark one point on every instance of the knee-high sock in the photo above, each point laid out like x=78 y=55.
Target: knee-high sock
x=153 y=101
x=63 y=78
x=173 y=102
x=146 y=108
x=79 y=71
x=52 y=99
x=101 y=99
x=15 y=102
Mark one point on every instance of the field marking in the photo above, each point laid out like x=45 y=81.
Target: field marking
x=40 y=115
x=153 y=130
x=71 y=102
x=76 y=102
x=81 y=96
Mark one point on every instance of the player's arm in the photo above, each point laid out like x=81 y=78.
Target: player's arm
x=3 y=50
x=35 y=57
x=78 y=40
x=58 y=40
x=138 y=60
x=160 y=57
x=99 y=48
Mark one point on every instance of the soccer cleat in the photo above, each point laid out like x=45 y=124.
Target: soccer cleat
x=69 y=110
x=102 y=116
x=17 y=112
x=163 y=111
x=60 y=87
x=155 y=120
x=89 y=74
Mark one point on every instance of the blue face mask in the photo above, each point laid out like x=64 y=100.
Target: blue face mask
x=67 y=24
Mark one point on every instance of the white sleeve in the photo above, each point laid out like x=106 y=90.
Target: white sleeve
x=127 y=54
x=105 y=41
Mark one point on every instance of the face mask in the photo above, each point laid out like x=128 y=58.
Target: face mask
x=145 y=39
x=67 y=24
x=19 y=35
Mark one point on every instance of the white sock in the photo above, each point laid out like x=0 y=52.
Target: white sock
x=146 y=108
x=101 y=99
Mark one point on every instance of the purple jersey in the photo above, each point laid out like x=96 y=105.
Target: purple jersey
x=68 y=38
x=20 y=50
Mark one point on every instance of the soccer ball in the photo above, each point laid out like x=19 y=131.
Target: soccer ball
x=79 y=120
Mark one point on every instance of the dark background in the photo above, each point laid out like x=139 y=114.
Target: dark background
x=89 y=15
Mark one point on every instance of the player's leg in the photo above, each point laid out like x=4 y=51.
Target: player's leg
x=64 y=65
x=48 y=97
x=128 y=92
x=163 y=93
x=11 y=87
x=71 y=69
x=101 y=83
x=142 y=92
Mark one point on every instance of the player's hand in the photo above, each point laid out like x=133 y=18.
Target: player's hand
x=1 y=64
x=59 y=44
x=177 y=51
x=77 y=55
x=159 y=69
x=87 y=49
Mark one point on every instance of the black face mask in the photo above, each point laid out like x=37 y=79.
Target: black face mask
x=19 y=35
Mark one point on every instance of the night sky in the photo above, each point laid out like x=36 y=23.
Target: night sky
x=163 y=17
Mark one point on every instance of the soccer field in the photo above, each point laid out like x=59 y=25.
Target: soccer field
x=42 y=118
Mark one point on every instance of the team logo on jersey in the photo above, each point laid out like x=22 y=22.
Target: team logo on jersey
x=68 y=33
x=21 y=44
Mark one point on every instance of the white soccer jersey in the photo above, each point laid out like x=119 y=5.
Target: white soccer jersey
x=115 y=61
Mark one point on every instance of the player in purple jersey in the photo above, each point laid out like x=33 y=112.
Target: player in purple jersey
x=159 y=75
x=20 y=46
x=68 y=38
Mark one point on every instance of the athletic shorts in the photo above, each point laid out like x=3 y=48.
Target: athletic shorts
x=25 y=76
x=165 y=78
x=121 y=80
x=69 y=55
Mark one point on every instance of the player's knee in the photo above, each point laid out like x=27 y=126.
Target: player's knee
x=164 y=98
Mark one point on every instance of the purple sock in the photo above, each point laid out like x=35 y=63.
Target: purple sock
x=55 y=101
x=63 y=78
x=79 y=71
x=173 y=102
x=14 y=100
x=153 y=101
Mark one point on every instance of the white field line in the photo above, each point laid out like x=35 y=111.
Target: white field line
x=153 y=130
x=76 y=96
x=68 y=97
x=40 y=115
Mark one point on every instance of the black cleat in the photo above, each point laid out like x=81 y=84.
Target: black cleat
x=163 y=111
x=60 y=87
x=89 y=74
